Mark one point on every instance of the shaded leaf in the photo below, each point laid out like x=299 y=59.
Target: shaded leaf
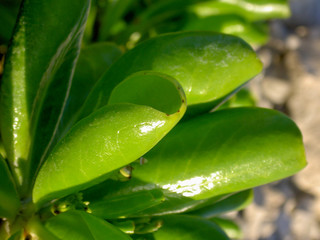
x=234 y=202
x=9 y=199
x=115 y=10
x=8 y=14
x=77 y=225
x=231 y=228
x=17 y=236
x=188 y=227
x=119 y=206
x=93 y=61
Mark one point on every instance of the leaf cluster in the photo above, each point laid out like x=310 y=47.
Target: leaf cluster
x=116 y=122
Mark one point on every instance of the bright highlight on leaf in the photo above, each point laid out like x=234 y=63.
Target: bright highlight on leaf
x=207 y=65
x=111 y=137
x=217 y=153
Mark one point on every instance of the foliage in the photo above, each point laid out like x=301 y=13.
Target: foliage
x=101 y=144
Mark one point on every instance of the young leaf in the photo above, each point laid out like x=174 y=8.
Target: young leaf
x=9 y=200
x=153 y=89
x=219 y=153
x=176 y=227
x=207 y=65
x=108 y=139
x=41 y=58
x=78 y=225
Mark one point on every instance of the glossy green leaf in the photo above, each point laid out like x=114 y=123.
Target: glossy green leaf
x=149 y=88
x=207 y=65
x=169 y=204
x=219 y=153
x=77 y=225
x=223 y=152
x=9 y=200
x=235 y=202
x=250 y=9
x=41 y=58
x=231 y=229
x=126 y=205
x=188 y=228
x=93 y=61
x=108 y=139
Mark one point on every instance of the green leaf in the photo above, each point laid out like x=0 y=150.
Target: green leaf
x=17 y=236
x=153 y=89
x=9 y=199
x=243 y=98
x=207 y=65
x=77 y=225
x=126 y=205
x=126 y=226
x=35 y=227
x=2 y=150
x=218 y=153
x=188 y=228
x=251 y=9
x=234 y=202
x=169 y=204
x=41 y=58
x=93 y=61
x=232 y=229
x=251 y=32
x=108 y=139
x=114 y=12
x=8 y=14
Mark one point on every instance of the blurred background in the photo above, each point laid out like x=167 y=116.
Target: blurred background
x=290 y=50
